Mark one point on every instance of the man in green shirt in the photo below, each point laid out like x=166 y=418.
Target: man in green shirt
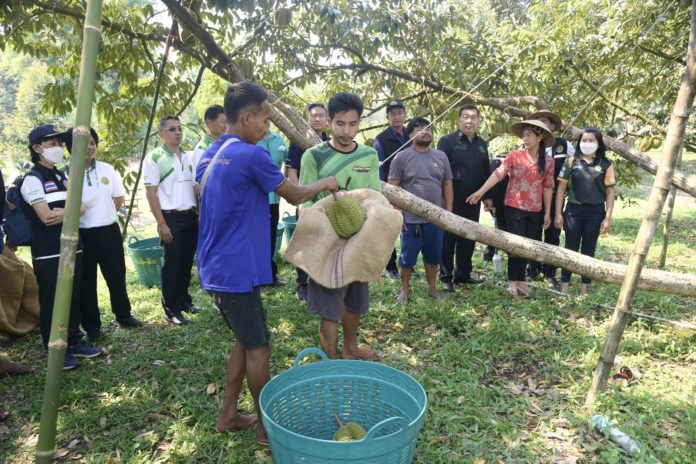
x=341 y=157
x=216 y=124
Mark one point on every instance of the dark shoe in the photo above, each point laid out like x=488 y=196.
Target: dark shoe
x=93 y=335
x=447 y=287
x=83 y=350
x=129 y=322
x=70 y=362
x=176 y=318
x=415 y=273
x=190 y=308
x=488 y=254
x=469 y=280
x=393 y=275
x=301 y=292
x=532 y=275
x=552 y=281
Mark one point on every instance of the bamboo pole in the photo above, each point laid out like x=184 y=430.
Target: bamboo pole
x=654 y=280
x=658 y=195
x=668 y=220
x=57 y=343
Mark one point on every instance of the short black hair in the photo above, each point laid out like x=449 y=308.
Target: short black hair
x=315 y=105
x=212 y=113
x=162 y=121
x=241 y=96
x=345 y=101
x=69 y=138
x=468 y=107
x=418 y=121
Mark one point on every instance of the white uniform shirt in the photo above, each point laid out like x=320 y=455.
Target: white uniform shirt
x=32 y=191
x=175 y=191
x=101 y=185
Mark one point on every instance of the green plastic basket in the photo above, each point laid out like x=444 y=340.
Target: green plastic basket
x=290 y=222
x=279 y=241
x=298 y=405
x=147 y=256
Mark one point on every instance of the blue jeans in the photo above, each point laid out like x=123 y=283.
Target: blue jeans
x=581 y=224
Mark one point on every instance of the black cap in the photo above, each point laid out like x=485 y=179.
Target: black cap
x=395 y=104
x=43 y=132
x=69 y=137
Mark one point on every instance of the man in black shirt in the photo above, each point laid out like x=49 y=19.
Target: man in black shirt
x=388 y=142
x=468 y=157
x=316 y=118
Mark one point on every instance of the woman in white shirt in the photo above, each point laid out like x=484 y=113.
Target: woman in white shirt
x=102 y=194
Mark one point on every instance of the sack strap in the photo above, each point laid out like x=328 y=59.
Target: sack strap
x=206 y=173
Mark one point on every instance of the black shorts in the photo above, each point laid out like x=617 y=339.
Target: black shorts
x=245 y=316
x=329 y=302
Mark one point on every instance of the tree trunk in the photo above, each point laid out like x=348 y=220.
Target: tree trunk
x=660 y=281
x=69 y=235
x=672 y=147
x=668 y=221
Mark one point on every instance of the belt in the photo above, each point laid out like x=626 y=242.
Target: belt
x=176 y=211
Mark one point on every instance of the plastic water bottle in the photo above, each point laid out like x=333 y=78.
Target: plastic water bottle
x=497 y=263
x=603 y=424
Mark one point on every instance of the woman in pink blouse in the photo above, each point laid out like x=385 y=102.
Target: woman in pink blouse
x=530 y=188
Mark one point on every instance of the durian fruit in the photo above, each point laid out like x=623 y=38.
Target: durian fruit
x=655 y=142
x=645 y=144
x=346 y=215
x=351 y=431
x=283 y=17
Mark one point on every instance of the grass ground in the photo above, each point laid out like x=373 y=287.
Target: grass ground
x=506 y=379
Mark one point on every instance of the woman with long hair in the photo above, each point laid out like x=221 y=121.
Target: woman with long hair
x=530 y=189
x=588 y=178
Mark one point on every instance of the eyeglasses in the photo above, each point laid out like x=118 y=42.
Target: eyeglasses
x=173 y=129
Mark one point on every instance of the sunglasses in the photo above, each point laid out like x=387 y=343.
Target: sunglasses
x=173 y=129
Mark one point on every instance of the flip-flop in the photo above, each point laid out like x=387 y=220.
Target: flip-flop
x=629 y=374
x=263 y=442
x=403 y=299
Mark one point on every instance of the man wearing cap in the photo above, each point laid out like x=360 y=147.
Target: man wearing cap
x=275 y=146
x=426 y=173
x=168 y=177
x=102 y=195
x=216 y=124
x=388 y=142
x=560 y=150
x=468 y=157
x=316 y=119
x=45 y=190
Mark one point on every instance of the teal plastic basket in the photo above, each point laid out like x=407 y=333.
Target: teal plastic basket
x=290 y=222
x=298 y=405
x=146 y=256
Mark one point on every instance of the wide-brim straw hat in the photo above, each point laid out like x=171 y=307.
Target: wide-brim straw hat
x=335 y=262
x=519 y=127
x=547 y=114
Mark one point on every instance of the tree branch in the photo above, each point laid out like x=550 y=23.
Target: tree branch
x=196 y=86
x=674 y=58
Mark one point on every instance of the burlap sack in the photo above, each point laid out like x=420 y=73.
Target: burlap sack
x=335 y=262
x=19 y=297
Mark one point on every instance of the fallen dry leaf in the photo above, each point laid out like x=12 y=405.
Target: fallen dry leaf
x=73 y=443
x=159 y=362
x=398 y=326
x=211 y=389
x=61 y=453
x=102 y=421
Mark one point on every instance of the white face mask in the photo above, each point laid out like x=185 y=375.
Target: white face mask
x=53 y=154
x=588 y=148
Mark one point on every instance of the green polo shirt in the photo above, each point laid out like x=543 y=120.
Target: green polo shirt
x=275 y=146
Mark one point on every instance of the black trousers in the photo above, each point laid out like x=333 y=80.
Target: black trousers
x=582 y=224
x=275 y=217
x=178 y=259
x=46 y=272
x=500 y=224
x=102 y=246
x=552 y=236
x=457 y=269
x=525 y=224
x=391 y=265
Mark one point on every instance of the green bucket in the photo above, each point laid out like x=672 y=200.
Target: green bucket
x=279 y=241
x=146 y=255
x=298 y=408
x=290 y=222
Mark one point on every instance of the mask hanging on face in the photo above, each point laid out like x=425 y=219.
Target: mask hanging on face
x=588 y=148
x=53 y=154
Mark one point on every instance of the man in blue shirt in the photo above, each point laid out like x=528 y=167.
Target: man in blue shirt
x=233 y=253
